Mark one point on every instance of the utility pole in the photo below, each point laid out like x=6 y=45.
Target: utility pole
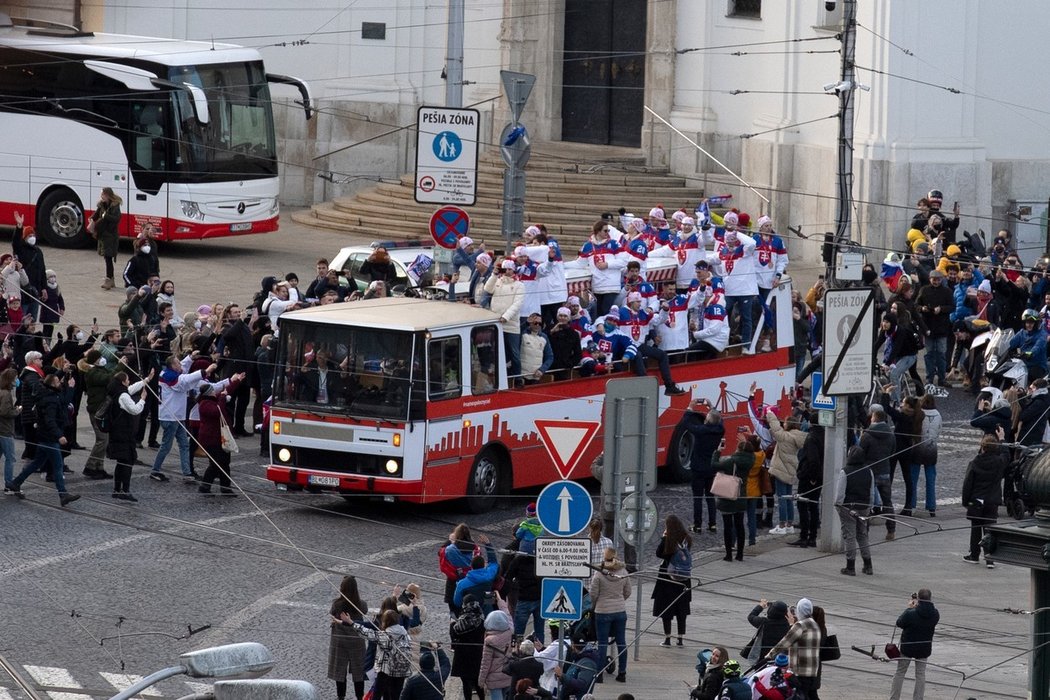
x=454 y=55
x=835 y=436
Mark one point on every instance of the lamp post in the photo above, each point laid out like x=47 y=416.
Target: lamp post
x=1028 y=544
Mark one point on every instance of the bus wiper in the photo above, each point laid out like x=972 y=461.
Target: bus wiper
x=80 y=110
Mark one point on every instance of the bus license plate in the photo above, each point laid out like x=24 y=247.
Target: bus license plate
x=246 y=226
x=324 y=480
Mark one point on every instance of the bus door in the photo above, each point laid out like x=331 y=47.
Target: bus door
x=446 y=433
x=115 y=176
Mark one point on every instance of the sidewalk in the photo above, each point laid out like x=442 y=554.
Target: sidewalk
x=862 y=610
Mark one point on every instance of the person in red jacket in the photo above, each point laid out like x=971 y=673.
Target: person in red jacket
x=213 y=412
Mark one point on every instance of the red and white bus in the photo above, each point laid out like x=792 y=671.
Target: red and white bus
x=415 y=403
x=182 y=131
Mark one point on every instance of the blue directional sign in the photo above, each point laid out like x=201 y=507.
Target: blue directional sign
x=820 y=399
x=564 y=508
x=561 y=599
x=447 y=146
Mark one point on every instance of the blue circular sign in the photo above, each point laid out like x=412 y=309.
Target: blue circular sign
x=447 y=146
x=564 y=508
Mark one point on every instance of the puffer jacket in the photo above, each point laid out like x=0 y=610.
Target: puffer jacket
x=610 y=588
x=499 y=633
x=784 y=465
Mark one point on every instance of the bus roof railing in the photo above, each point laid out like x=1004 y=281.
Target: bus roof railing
x=44 y=27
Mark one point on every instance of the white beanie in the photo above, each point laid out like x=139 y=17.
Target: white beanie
x=985 y=286
x=564 y=311
x=520 y=251
x=466 y=241
x=731 y=218
x=804 y=608
x=532 y=231
x=509 y=265
x=485 y=259
x=574 y=301
x=763 y=220
x=688 y=221
x=656 y=213
x=678 y=216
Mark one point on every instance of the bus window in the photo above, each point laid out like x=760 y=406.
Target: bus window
x=484 y=356
x=445 y=368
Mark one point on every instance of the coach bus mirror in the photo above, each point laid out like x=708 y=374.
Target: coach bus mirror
x=132 y=78
x=200 y=103
x=306 y=103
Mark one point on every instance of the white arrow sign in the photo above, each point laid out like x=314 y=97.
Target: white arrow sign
x=565 y=500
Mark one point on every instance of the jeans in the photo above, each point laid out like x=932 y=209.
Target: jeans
x=498 y=693
x=931 y=486
x=745 y=304
x=854 y=534
x=174 y=430
x=884 y=487
x=612 y=625
x=901 y=367
x=902 y=671
x=7 y=445
x=701 y=492
x=752 y=519
x=785 y=504
x=512 y=344
x=522 y=612
x=936 y=360
x=48 y=454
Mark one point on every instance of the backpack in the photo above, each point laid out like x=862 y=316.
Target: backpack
x=450 y=570
x=681 y=564
x=102 y=415
x=399 y=656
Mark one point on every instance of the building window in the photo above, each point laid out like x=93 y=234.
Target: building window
x=373 y=30
x=745 y=8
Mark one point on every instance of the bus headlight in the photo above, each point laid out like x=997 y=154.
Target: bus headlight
x=284 y=454
x=392 y=467
x=192 y=210
x=275 y=208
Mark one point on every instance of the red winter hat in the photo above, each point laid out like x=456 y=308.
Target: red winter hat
x=744 y=219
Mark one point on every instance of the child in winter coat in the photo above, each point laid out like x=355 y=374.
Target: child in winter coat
x=528 y=530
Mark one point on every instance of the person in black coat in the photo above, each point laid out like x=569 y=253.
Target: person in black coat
x=24 y=246
x=705 y=425
x=137 y=269
x=771 y=627
x=51 y=416
x=982 y=492
x=128 y=402
x=321 y=380
x=1035 y=408
x=917 y=625
x=521 y=572
x=429 y=682
x=524 y=665
x=467 y=634
x=991 y=413
x=379 y=267
x=565 y=345
x=238 y=354
x=672 y=595
x=810 y=481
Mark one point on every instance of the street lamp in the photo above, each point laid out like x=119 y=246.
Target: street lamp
x=242 y=660
x=1028 y=545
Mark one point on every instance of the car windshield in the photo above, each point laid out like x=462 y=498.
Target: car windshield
x=238 y=139
x=363 y=372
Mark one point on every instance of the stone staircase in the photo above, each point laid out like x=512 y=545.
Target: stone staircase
x=568 y=187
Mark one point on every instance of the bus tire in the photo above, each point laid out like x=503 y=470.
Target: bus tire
x=486 y=480
x=679 y=456
x=60 y=220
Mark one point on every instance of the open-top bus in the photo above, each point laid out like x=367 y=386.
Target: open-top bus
x=416 y=404
x=181 y=130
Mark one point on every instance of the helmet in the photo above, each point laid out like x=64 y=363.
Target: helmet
x=1030 y=315
x=935 y=194
x=731 y=668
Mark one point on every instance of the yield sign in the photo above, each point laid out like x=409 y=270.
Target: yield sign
x=566 y=440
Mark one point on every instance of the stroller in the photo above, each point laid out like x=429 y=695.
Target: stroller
x=1019 y=504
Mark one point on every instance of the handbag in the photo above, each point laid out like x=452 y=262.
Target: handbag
x=226 y=436
x=829 y=648
x=892 y=650
x=746 y=651
x=726 y=486
x=765 y=482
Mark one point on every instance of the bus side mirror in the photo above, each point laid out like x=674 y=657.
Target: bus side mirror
x=200 y=103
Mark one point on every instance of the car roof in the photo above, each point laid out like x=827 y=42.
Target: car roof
x=405 y=256
x=395 y=313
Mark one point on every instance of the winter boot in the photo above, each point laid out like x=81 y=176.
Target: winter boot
x=850 y=569
x=107 y=283
x=867 y=567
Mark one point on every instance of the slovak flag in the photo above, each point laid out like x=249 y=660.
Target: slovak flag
x=892 y=271
x=703 y=215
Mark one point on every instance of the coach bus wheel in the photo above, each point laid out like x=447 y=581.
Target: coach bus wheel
x=679 y=455
x=486 y=480
x=60 y=220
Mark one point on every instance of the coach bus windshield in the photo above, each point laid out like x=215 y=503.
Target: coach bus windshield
x=362 y=372
x=238 y=140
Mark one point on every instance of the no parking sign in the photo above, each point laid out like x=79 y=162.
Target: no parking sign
x=448 y=225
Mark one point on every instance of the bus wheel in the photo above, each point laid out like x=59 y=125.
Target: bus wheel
x=679 y=456
x=60 y=220
x=486 y=481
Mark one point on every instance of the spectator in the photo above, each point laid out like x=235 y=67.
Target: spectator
x=878 y=443
x=710 y=686
x=924 y=455
x=738 y=464
x=318 y=285
x=1032 y=420
x=810 y=483
x=522 y=573
x=705 y=425
x=610 y=588
x=379 y=267
x=673 y=592
x=346 y=649
x=176 y=385
x=802 y=644
x=917 y=625
x=733 y=686
x=480 y=579
x=137 y=269
x=853 y=501
x=467 y=635
x=51 y=416
x=581 y=668
x=507 y=296
x=771 y=627
x=429 y=682
x=1030 y=344
x=982 y=492
x=24 y=246
x=783 y=467
x=52 y=310
x=495 y=652
x=935 y=304
x=8 y=412
x=393 y=654
x=523 y=666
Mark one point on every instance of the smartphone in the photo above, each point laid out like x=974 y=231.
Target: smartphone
x=94 y=321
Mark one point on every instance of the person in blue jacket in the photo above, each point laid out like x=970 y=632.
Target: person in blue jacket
x=1030 y=343
x=479 y=580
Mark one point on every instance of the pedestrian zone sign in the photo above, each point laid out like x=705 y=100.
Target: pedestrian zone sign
x=561 y=599
x=447 y=155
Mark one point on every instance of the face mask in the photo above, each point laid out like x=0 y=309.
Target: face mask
x=81 y=335
x=146 y=249
x=609 y=328
x=101 y=362
x=52 y=285
x=31 y=240
x=197 y=324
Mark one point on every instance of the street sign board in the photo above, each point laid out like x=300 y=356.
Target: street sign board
x=629 y=417
x=448 y=225
x=627 y=518
x=563 y=557
x=561 y=599
x=566 y=441
x=820 y=399
x=447 y=155
x=564 y=508
x=517 y=87
x=849 y=340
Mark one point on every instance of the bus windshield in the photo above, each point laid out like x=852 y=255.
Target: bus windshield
x=362 y=372
x=238 y=139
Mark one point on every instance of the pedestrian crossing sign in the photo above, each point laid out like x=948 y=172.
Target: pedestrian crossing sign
x=561 y=599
